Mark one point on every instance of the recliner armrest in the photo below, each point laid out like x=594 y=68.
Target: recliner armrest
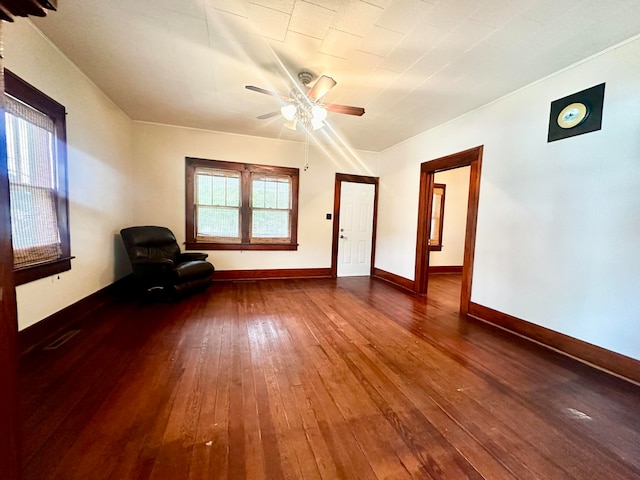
x=149 y=262
x=191 y=256
x=160 y=268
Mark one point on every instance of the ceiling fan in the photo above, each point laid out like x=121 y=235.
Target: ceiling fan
x=304 y=105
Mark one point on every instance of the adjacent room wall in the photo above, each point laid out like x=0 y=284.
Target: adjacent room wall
x=558 y=223
x=455 y=217
x=159 y=179
x=99 y=166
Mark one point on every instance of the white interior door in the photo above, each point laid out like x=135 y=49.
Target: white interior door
x=356 y=229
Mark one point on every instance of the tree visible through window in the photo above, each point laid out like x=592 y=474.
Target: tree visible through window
x=270 y=207
x=240 y=206
x=217 y=205
x=36 y=158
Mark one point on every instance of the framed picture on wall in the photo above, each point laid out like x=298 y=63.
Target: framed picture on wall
x=576 y=114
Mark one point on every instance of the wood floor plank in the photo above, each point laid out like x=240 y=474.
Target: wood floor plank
x=207 y=441
x=463 y=401
x=347 y=458
x=316 y=379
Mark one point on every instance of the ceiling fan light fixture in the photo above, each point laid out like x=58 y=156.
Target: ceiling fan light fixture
x=289 y=111
x=318 y=113
x=304 y=105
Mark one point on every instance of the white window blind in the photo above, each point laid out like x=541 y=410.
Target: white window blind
x=32 y=183
x=217 y=204
x=270 y=207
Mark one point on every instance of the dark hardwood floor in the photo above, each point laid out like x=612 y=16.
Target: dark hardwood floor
x=311 y=379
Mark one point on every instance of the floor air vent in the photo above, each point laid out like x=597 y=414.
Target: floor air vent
x=58 y=342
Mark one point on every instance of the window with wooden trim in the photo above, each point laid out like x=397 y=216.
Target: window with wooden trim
x=437 y=217
x=240 y=206
x=37 y=170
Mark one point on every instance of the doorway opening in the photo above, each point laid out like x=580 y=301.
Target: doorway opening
x=472 y=158
x=355 y=208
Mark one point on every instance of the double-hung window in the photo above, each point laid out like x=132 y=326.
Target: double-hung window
x=36 y=160
x=240 y=206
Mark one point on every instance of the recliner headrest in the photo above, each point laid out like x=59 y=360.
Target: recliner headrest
x=147 y=236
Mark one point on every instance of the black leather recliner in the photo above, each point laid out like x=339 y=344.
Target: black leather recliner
x=159 y=266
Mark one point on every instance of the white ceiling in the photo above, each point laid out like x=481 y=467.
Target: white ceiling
x=411 y=64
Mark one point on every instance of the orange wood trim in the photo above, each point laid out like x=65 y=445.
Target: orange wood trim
x=27 y=93
x=455 y=160
x=240 y=246
x=604 y=359
x=472 y=157
x=336 y=226
x=245 y=170
x=470 y=235
x=39 y=334
x=344 y=177
x=220 y=275
x=445 y=269
x=425 y=204
x=393 y=278
x=10 y=425
x=38 y=8
x=35 y=272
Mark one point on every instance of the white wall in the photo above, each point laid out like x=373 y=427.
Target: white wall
x=558 y=223
x=99 y=174
x=159 y=179
x=455 y=217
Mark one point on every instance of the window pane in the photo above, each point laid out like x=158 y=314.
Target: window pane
x=218 y=222
x=270 y=223
x=257 y=194
x=270 y=192
x=219 y=188
x=217 y=203
x=435 y=233
x=270 y=201
x=284 y=195
x=436 y=215
x=32 y=180
x=205 y=190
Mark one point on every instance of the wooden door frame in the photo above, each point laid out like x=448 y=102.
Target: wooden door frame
x=472 y=158
x=10 y=456
x=343 y=177
x=10 y=441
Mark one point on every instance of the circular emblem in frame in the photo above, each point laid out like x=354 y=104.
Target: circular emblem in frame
x=573 y=115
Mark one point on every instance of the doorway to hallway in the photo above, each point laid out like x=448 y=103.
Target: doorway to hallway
x=472 y=158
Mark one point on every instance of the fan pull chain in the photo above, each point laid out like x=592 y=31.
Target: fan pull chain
x=306 y=152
